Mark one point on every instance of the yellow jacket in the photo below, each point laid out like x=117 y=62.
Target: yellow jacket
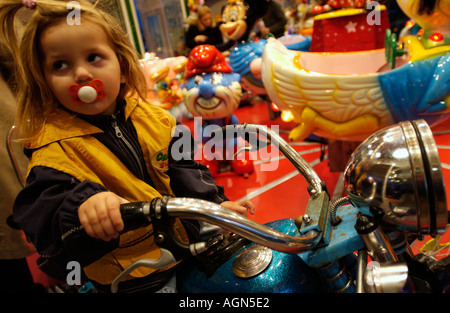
x=66 y=145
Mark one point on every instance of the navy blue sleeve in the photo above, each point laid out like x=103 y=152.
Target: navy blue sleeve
x=189 y=178
x=190 y=35
x=47 y=211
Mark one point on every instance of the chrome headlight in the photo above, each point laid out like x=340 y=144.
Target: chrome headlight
x=396 y=172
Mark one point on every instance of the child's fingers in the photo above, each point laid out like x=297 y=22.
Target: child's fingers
x=84 y=220
x=241 y=206
x=91 y=223
x=248 y=205
x=113 y=209
x=100 y=216
x=107 y=229
x=100 y=222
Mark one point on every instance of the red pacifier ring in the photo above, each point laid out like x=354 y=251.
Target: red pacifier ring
x=87 y=93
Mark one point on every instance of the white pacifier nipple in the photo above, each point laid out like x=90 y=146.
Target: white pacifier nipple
x=87 y=94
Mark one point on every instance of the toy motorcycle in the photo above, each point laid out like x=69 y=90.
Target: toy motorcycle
x=360 y=243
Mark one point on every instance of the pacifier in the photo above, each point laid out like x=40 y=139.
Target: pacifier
x=87 y=93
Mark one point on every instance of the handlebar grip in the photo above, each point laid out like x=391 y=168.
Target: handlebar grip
x=135 y=214
x=135 y=209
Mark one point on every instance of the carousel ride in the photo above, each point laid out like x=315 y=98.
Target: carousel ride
x=350 y=95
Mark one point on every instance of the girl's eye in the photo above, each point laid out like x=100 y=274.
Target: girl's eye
x=59 y=65
x=94 y=58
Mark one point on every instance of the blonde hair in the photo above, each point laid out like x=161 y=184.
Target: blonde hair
x=35 y=100
x=202 y=11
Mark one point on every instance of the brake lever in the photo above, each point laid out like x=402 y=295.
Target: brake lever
x=164 y=260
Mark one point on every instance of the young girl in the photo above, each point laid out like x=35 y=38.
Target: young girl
x=204 y=30
x=93 y=147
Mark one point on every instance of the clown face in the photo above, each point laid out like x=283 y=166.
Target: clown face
x=234 y=20
x=213 y=95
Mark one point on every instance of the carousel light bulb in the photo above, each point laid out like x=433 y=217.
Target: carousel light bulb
x=437 y=37
x=287 y=116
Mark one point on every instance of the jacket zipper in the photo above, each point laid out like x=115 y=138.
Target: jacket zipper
x=120 y=136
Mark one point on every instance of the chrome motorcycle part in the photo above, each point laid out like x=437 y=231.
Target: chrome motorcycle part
x=385 y=278
x=252 y=261
x=361 y=268
x=215 y=214
x=397 y=173
x=399 y=243
x=377 y=244
x=334 y=219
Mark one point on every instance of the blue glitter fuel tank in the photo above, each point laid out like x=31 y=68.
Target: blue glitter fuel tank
x=267 y=271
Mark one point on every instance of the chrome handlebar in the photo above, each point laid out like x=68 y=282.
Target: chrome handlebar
x=238 y=224
x=188 y=208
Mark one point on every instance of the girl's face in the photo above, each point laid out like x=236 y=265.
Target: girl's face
x=206 y=20
x=78 y=54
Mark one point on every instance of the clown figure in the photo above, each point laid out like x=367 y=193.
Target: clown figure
x=212 y=92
